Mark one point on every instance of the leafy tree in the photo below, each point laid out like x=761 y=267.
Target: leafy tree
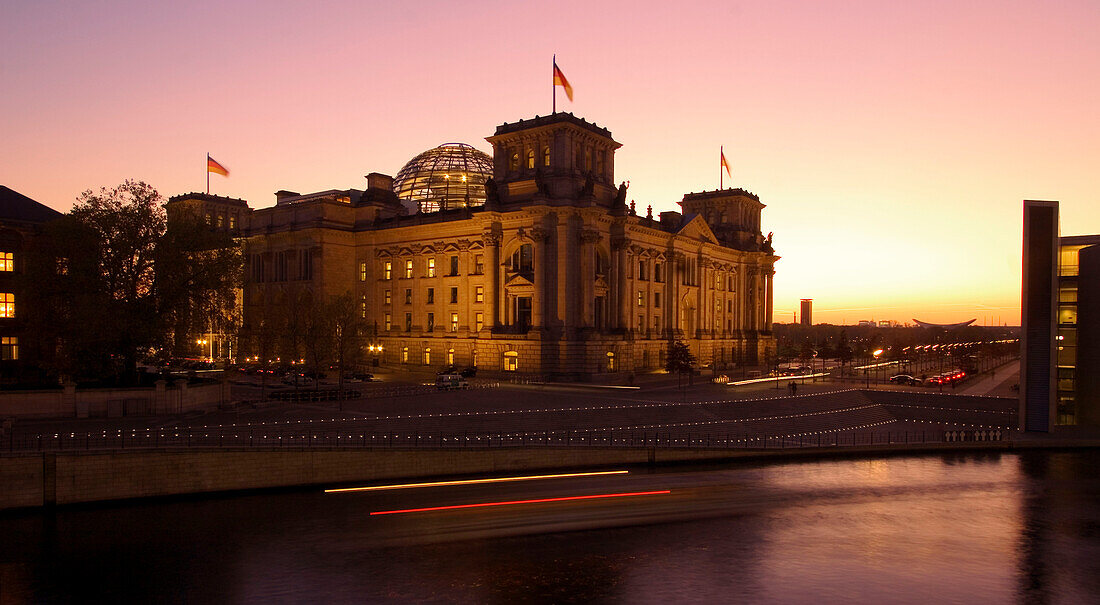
x=679 y=359
x=111 y=284
x=346 y=323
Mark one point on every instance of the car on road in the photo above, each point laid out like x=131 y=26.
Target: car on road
x=905 y=379
x=447 y=382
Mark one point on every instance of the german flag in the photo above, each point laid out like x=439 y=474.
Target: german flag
x=212 y=165
x=559 y=80
x=725 y=164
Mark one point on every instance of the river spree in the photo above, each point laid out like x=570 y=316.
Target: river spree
x=991 y=528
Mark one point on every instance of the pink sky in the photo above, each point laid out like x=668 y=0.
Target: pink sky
x=892 y=142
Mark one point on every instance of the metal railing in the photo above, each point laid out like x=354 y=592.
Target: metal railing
x=158 y=439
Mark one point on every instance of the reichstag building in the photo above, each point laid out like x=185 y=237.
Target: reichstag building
x=529 y=261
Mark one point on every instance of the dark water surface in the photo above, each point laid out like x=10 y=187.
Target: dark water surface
x=983 y=528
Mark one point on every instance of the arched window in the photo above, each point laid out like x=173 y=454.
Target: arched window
x=450 y=357
x=610 y=361
x=428 y=356
x=545 y=156
x=405 y=355
x=511 y=361
x=514 y=164
x=530 y=159
x=523 y=259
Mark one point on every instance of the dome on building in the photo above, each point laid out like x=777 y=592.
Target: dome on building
x=450 y=176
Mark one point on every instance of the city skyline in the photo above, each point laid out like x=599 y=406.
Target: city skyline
x=892 y=146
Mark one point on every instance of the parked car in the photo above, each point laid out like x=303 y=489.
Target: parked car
x=905 y=379
x=468 y=372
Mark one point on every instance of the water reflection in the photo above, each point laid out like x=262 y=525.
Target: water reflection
x=955 y=528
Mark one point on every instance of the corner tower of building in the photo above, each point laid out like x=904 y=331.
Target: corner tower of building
x=554 y=159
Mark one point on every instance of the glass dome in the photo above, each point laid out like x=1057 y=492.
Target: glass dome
x=450 y=176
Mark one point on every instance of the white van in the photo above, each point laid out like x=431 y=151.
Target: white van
x=446 y=382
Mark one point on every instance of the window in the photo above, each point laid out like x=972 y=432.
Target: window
x=479 y=321
x=657 y=322
x=62 y=265
x=431 y=321
x=233 y=223
x=408 y=296
x=257 y=268
x=545 y=156
x=513 y=165
x=408 y=269
x=717 y=281
x=431 y=267
x=454 y=322
x=511 y=361
x=656 y=300
x=588 y=159
x=281 y=264
x=454 y=266
x=387 y=270
x=641 y=269
x=641 y=323
x=530 y=159
x=450 y=357
x=523 y=259
x=209 y=220
x=305 y=264
x=610 y=361
x=386 y=298
x=7 y=261
x=479 y=294
x=473 y=358
x=362 y=306
x=599 y=162
x=479 y=265
x=641 y=298
x=362 y=271
x=729 y=306
x=431 y=296
x=7 y=304
x=221 y=221
x=405 y=355
x=389 y=322
x=454 y=295
x=428 y=356
x=408 y=322
x=657 y=272
x=9 y=348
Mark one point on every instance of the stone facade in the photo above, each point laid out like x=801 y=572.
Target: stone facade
x=553 y=276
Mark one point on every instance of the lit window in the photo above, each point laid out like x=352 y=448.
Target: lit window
x=717 y=281
x=431 y=267
x=362 y=271
x=408 y=269
x=363 y=306
x=479 y=321
x=387 y=299
x=454 y=322
x=232 y=223
x=450 y=357
x=209 y=220
x=610 y=361
x=62 y=265
x=7 y=261
x=389 y=321
x=511 y=361
x=545 y=156
x=7 y=304
x=387 y=269
x=641 y=298
x=514 y=164
x=221 y=220
x=530 y=159
x=405 y=355
x=431 y=296
x=454 y=295
x=9 y=348
x=479 y=294
x=427 y=356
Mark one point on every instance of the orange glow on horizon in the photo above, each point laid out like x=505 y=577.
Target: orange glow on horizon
x=511 y=502
x=472 y=481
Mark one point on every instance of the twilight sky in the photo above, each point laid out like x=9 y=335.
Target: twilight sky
x=892 y=142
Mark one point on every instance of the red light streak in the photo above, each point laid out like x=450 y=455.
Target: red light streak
x=510 y=502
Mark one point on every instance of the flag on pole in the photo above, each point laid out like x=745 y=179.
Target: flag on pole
x=212 y=165
x=559 y=80
x=725 y=164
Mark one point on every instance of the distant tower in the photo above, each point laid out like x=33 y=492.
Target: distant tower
x=807 y=311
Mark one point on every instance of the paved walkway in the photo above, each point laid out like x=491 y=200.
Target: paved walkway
x=998 y=383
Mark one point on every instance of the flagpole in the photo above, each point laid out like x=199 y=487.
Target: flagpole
x=208 y=173
x=721 y=154
x=554 y=86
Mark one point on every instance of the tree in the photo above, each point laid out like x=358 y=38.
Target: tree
x=679 y=360
x=123 y=285
x=346 y=323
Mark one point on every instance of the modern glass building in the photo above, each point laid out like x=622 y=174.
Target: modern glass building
x=1069 y=278
x=447 y=177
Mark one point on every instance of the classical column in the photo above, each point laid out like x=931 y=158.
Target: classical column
x=492 y=241
x=675 y=274
x=541 y=292
x=588 y=238
x=620 y=283
x=769 y=274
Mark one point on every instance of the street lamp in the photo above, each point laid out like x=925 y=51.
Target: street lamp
x=874 y=365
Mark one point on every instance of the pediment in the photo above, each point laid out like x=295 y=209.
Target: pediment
x=518 y=279
x=698 y=229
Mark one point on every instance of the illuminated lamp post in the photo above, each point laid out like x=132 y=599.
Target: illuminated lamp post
x=876 y=354
x=202 y=343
